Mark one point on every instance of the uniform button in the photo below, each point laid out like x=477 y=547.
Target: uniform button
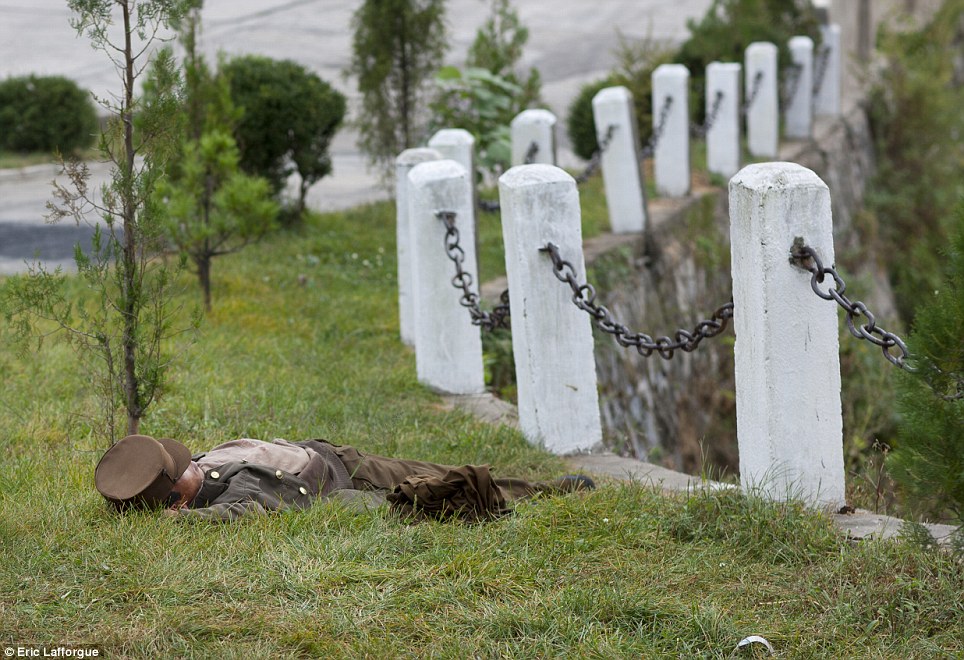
x=215 y=474
x=303 y=490
x=279 y=474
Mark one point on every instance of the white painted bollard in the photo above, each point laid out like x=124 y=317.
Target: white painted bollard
x=551 y=337
x=723 y=138
x=534 y=136
x=406 y=304
x=798 y=116
x=448 y=348
x=459 y=145
x=827 y=72
x=671 y=158
x=788 y=415
x=762 y=94
x=613 y=115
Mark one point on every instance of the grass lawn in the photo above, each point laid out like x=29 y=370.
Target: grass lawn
x=303 y=343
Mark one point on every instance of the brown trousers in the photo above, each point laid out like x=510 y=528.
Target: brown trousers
x=372 y=472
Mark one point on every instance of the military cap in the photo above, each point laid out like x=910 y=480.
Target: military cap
x=139 y=471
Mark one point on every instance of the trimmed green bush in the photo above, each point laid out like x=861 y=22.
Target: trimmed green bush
x=45 y=113
x=290 y=117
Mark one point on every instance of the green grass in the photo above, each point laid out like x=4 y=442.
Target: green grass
x=621 y=572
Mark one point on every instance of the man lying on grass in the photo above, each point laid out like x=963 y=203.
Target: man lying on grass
x=253 y=477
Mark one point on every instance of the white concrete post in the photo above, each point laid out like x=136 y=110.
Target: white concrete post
x=551 y=337
x=536 y=127
x=613 y=114
x=827 y=101
x=788 y=415
x=448 y=348
x=723 y=138
x=798 y=115
x=671 y=158
x=762 y=118
x=459 y=145
x=406 y=303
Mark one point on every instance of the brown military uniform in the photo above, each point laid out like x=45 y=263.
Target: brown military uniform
x=415 y=488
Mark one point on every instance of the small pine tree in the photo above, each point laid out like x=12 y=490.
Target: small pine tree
x=211 y=208
x=122 y=330
x=928 y=462
x=398 y=46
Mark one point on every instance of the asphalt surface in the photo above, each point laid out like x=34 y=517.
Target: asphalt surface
x=571 y=42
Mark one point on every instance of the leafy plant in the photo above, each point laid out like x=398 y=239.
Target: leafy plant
x=45 y=113
x=290 y=116
x=498 y=48
x=484 y=104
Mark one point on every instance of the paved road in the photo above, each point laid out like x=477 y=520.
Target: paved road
x=571 y=42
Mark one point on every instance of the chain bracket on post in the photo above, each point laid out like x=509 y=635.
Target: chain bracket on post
x=804 y=257
x=499 y=316
x=584 y=297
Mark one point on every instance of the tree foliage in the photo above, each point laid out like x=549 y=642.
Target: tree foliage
x=211 y=207
x=498 y=48
x=290 y=116
x=45 y=113
x=928 y=461
x=397 y=48
x=122 y=330
x=916 y=121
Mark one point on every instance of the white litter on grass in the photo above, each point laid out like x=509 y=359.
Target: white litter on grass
x=755 y=639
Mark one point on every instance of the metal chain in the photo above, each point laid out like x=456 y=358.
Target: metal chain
x=754 y=92
x=531 y=153
x=699 y=131
x=489 y=207
x=820 y=68
x=791 y=84
x=596 y=158
x=498 y=317
x=650 y=148
x=804 y=257
x=584 y=297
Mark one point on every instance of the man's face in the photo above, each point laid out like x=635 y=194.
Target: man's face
x=187 y=486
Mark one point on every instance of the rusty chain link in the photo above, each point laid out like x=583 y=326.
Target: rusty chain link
x=803 y=256
x=820 y=68
x=498 y=317
x=754 y=92
x=701 y=131
x=790 y=84
x=596 y=157
x=650 y=147
x=584 y=297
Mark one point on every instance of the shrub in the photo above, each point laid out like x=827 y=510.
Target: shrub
x=290 y=116
x=45 y=113
x=928 y=462
x=635 y=63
